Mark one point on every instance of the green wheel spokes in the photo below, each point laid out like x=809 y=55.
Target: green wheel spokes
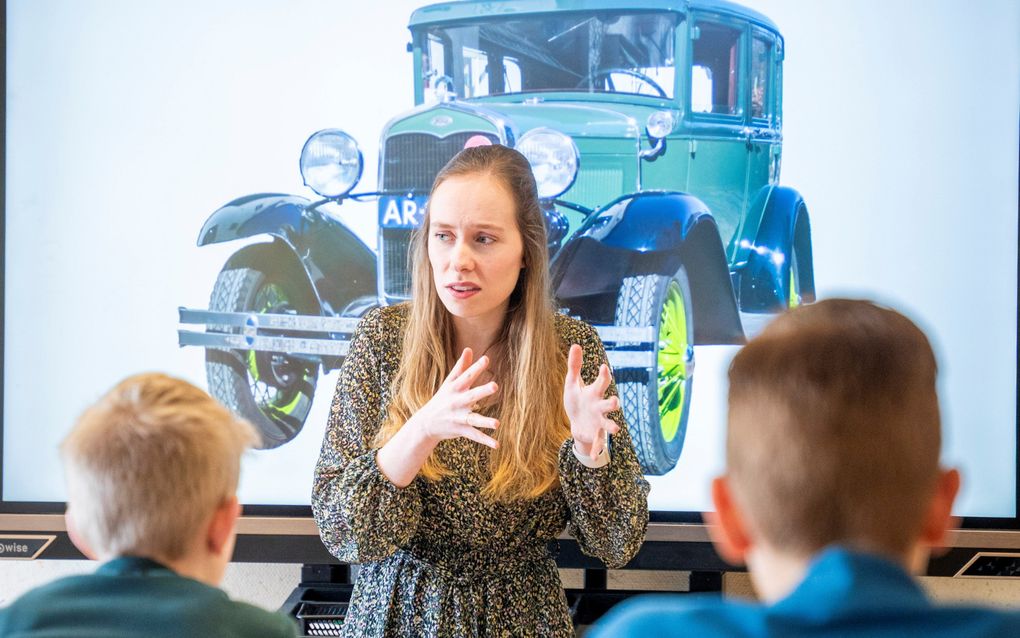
x=672 y=361
x=290 y=407
x=272 y=400
x=253 y=366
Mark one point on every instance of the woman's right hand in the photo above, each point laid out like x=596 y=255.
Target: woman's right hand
x=450 y=414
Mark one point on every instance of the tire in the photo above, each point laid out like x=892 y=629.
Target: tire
x=656 y=403
x=271 y=390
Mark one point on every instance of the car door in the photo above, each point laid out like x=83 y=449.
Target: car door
x=716 y=116
x=763 y=131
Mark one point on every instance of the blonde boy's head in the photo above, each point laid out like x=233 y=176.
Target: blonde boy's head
x=148 y=464
x=834 y=429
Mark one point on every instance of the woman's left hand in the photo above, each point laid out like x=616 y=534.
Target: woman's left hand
x=587 y=407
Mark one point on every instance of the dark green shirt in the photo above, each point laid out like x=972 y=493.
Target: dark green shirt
x=136 y=597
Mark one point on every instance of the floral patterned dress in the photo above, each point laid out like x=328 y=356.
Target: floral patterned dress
x=438 y=558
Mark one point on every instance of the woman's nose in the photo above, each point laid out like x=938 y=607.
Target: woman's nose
x=462 y=259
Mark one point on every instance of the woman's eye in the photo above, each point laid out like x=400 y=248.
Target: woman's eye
x=485 y=239
x=442 y=236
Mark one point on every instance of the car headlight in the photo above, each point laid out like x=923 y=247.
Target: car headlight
x=553 y=158
x=660 y=124
x=331 y=163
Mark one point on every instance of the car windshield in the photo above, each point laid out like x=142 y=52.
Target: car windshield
x=607 y=52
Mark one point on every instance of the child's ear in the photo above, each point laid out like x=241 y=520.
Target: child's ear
x=76 y=539
x=221 y=526
x=726 y=524
x=939 y=519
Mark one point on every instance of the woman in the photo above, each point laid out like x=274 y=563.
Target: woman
x=471 y=425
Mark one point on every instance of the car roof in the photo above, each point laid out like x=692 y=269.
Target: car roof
x=445 y=12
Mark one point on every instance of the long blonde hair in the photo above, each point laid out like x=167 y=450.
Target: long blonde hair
x=531 y=368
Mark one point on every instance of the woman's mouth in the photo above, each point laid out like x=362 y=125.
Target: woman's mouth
x=463 y=290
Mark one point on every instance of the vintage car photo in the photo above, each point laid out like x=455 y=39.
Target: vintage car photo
x=654 y=130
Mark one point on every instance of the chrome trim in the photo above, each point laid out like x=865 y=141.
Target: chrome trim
x=631 y=359
x=640 y=334
x=304 y=323
x=285 y=345
x=655 y=150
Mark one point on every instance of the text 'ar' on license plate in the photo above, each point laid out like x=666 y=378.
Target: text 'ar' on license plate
x=401 y=211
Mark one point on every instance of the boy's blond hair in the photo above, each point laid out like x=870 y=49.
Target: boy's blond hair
x=148 y=464
x=834 y=429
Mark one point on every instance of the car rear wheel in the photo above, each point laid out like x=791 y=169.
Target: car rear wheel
x=272 y=390
x=793 y=287
x=656 y=402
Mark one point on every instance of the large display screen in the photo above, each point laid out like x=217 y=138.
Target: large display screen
x=863 y=149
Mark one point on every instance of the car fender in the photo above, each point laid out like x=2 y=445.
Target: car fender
x=651 y=232
x=261 y=213
x=785 y=225
x=338 y=267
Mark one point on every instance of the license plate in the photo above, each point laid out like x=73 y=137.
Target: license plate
x=399 y=211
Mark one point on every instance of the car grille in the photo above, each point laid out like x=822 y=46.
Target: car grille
x=396 y=269
x=411 y=160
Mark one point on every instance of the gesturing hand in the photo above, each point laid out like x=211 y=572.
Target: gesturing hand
x=586 y=406
x=450 y=412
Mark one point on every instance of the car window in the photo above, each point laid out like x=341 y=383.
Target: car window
x=605 y=52
x=476 y=72
x=434 y=64
x=761 y=86
x=715 y=69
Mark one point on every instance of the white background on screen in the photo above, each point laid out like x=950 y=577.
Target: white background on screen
x=129 y=123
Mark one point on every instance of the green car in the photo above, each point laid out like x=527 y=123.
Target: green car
x=654 y=129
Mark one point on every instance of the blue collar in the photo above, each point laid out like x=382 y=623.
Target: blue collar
x=843 y=582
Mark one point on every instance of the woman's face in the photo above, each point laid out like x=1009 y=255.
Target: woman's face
x=474 y=246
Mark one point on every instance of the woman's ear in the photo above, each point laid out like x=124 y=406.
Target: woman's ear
x=726 y=524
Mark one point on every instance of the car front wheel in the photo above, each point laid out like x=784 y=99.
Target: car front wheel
x=272 y=390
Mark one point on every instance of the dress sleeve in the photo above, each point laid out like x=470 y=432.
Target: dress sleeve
x=361 y=515
x=609 y=504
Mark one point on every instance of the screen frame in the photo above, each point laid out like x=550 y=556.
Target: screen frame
x=260 y=524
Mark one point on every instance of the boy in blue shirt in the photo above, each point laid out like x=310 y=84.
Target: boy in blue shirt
x=152 y=471
x=833 y=493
